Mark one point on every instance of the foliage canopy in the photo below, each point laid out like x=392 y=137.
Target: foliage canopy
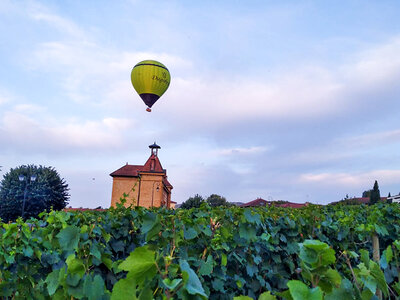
x=47 y=191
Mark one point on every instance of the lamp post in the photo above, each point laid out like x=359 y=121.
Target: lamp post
x=152 y=193
x=24 y=178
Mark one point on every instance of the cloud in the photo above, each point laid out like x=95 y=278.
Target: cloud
x=93 y=73
x=240 y=151
x=5 y=96
x=352 y=179
x=20 y=132
x=381 y=138
x=28 y=108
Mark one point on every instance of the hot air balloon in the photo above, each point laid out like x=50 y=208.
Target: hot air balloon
x=150 y=80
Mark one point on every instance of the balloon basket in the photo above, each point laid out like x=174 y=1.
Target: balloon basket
x=148 y=109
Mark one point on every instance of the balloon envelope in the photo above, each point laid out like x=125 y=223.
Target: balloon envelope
x=150 y=79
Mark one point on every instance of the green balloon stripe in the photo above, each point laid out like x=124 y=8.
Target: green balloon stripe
x=147 y=64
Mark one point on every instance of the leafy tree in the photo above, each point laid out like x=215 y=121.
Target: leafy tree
x=195 y=201
x=366 y=194
x=216 y=200
x=47 y=191
x=375 y=195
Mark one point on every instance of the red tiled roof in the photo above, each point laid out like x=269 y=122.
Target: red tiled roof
x=257 y=202
x=127 y=171
x=167 y=184
x=153 y=165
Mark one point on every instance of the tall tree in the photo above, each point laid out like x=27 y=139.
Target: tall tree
x=375 y=195
x=195 y=201
x=28 y=190
x=216 y=200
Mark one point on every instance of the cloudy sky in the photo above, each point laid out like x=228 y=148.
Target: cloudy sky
x=284 y=100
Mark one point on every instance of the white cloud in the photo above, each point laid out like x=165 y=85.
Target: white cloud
x=5 y=96
x=240 y=151
x=3 y=99
x=90 y=72
x=375 y=66
x=372 y=139
x=28 y=108
x=22 y=131
x=352 y=179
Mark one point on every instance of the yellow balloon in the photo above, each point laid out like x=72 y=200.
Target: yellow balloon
x=150 y=79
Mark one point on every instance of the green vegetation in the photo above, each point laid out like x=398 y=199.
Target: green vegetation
x=41 y=187
x=315 y=252
x=375 y=195
x=213 y=200
x=193 y=202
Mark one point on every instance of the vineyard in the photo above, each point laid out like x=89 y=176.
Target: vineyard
x=316 y=252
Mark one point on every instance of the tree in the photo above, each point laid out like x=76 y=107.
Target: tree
x=48 y=190
x=217 y=200
x=195 y=201
x=366 y=194
x=375 y=195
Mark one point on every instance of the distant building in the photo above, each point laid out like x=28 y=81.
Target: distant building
x=145 y=185
x=394 y=198
x=280 y=203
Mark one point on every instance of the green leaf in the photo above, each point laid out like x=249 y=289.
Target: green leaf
x=378 y=275
x=242 y=298
x=154 y=231
x=192 y=284
x=388 y=254
x=345 y=291
x=69 y=237
x=353 y=254
x=140 y=264
x=329 y=279
x=52 y=282
x=172 y=284
x=96 y=288
x=370 y=283
x=299 y=291
x=266 y=296
x=75 y=265
x=124 y=289
x=381 y=230
x=206 y=266
x=247 y=232
x=365 y=257
x=315 y=245
x=95 y=251
x=254 y=219
x=224 y=259
x=150 y=219
x=189 y=233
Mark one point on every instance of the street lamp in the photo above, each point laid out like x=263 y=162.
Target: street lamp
x=23 y=178
x=152 y=192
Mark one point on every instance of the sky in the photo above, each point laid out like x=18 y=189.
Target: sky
x=283 y=100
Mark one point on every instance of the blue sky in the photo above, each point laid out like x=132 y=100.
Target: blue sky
x=284 y=100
